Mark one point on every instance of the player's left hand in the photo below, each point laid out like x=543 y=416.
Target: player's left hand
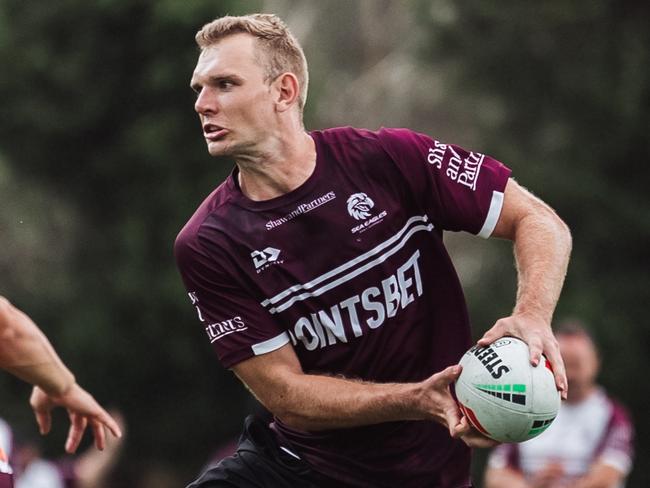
x=470 y=436
x=537 y=333
x=82 y=410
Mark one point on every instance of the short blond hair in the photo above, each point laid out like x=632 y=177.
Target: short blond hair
x=281 y=51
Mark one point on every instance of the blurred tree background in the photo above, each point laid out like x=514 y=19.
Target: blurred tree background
x=102 y=161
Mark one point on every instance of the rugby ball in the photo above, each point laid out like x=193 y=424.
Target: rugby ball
x=503 y=395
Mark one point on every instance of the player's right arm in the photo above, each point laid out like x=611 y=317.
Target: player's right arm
x=27 y=353
x=315 y=402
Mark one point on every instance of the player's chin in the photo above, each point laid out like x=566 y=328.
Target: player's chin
x=217 y=149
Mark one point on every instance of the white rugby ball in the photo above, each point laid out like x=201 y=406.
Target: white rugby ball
x=503 y=395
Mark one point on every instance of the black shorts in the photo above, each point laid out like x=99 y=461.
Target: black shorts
x=259 y=462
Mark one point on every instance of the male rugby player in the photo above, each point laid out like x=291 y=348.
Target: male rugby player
x=320 y=276
x=26 y=352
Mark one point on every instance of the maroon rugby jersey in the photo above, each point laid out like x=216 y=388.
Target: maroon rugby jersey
x=351 y=269
x=6 y=480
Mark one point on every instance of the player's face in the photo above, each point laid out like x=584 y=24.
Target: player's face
x=234 y=101
x=580 y=361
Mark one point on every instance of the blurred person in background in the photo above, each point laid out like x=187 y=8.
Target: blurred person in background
x=319 y=273
x=589 y=445
x=31 y=469
x=27 y=353
x=90 y=469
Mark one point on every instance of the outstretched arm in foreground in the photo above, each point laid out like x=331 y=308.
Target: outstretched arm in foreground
x=542 y=245
x=26 y=353
x=316 y=402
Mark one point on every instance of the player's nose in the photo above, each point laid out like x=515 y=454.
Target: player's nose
x=206 y=102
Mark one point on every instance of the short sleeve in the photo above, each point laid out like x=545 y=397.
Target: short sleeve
x=459 y=189
x=235 y=323
x=616 y=449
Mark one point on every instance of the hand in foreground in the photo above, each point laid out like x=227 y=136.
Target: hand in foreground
x=82 y=410
x=538 y=335
x=445 y=410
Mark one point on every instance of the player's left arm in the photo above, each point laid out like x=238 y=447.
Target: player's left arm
x=600 y=475
x=542 y=245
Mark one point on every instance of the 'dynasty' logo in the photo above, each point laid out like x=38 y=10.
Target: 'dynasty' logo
x=264 y=259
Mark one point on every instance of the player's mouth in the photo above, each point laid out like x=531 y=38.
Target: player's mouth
x=213 y=132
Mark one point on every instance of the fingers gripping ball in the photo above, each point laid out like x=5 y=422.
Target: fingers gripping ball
x=503 y=395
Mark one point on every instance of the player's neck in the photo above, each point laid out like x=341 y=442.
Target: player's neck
x=280 y=167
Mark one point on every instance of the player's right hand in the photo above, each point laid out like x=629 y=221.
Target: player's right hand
x=443 y=408
x=82 y=410
x=437 y=401
x=470 y=436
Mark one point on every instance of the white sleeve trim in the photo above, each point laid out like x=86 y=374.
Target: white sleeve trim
x=496 y=204
x=5 y=437
x=5 y=468
x=271 y=344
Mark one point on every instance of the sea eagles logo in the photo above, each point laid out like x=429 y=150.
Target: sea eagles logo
x=359 y=206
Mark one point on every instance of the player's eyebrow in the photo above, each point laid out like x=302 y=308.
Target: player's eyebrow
x=216 y=79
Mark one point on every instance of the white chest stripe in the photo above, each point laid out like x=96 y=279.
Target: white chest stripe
x=345 y=266
x=390 y=246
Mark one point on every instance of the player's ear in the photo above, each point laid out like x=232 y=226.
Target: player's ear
x=286 y=91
